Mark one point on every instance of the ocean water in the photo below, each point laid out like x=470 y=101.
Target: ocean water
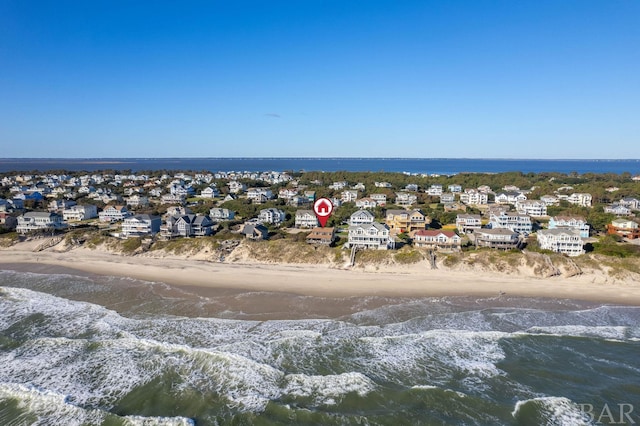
x=445 y=166
x=87 y=350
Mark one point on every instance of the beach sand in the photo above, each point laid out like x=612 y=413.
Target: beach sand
x=322 y=280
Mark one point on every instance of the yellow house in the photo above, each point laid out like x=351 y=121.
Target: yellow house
x=405 y=220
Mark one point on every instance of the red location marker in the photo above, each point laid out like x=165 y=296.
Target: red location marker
x=323 y=207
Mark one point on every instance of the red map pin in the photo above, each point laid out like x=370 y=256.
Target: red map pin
x=323 y=207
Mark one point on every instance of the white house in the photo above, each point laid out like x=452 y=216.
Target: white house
x=39 y=221
x=372 y=236
x=565 y=241
x=349 y=195
x=630 y=203
x=447 y=197
x=209 y=192
x=617 y=209
x=509 y=197
x=236 y=187
x=580 y=199
x=306 y=219
x=535 y=208
x=219 y=214
x=575 y=223
x=80 y=212
x=114 y=213
x=434 y=190
x=514 y=221
x=406 y=199
x=550 y=200
x=361 y=217
x=272 y=215
x=472 y=197
x=455 y=188
x=436 y=239
x=380 y=199
x=140 y=225
x=468 y=223
x=137 y=200
x=259 y=195
x=366 y=203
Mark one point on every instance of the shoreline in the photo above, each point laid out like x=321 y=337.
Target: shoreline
x=321 y=280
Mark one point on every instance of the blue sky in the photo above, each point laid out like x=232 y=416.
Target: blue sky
x=306 y=78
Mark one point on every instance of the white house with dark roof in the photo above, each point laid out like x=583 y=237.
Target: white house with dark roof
x=509 y=197
x=361 y=217
x=372 y=236
x=631 y=203
x=617 y=209
x=188 y=225
x=272 y=216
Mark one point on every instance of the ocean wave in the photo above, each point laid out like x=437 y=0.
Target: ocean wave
x=550 y=411
x=45 y=407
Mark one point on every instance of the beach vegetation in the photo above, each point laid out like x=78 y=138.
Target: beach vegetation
x=408 y=257
x=610 y=246
x=130 y=245
x=8 y=239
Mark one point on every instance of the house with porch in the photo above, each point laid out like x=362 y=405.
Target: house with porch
x=580 y=199
x=468 y=223
x=509 y=197
x=306 y=219
x=187 y=225
x=471 y=197
x=380 y=199
x=137 y=200
x=516 y=222
x=361 y=217
x=141 y=225
x=219 y=214
x=436 y=239
x=625 y=228
x=366 y=203
x=405 y=220
x=80 y=212
x=114 y=214
x=322 y=236
x=499 y=238
x=255 y=231
x=565 y=241
x=349 y=195
x=617 y=209
x=574 y=223
x=271 y=216
x=534 y=208
x=39 y=221
x=631 y=203
x=372 y=236
x=210 y=192
x=259 y=195
x=406 y=199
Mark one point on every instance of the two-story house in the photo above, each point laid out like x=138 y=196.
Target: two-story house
x=534 y=208
x=405 y=220
x=39 y=221
x=306 y=219
x=372 y=236
x=406 y=199
x=625 y=228
x=219 y=214
x=114 y=214
x=361 y=217
x=80 y=212
x=436 y=239
x=271 y=216
x=499 y=238
x=468 y=223
x=580 y=199
x=188 y=225
x=509 y=197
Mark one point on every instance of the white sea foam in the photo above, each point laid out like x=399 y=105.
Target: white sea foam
x=328 y=389
x=554 y=411
x=603 y=332
x=52 y=408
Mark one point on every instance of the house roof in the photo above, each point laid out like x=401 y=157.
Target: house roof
x=435 y=233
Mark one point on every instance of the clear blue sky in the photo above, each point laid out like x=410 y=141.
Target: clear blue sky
x=305 y=78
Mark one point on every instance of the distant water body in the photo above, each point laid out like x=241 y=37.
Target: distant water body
x=444 y=166
x=110 y=351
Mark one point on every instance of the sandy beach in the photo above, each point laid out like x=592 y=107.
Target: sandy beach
x=321 y=280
